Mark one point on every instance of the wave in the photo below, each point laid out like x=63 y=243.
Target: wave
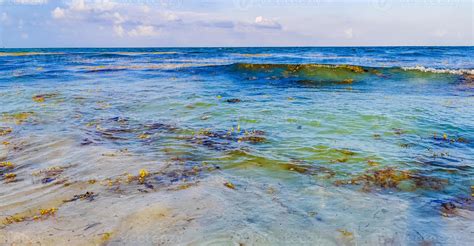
x=28 y=53
x=440 y=70
x=253 y=55
x=309 y=74
x=346 y=67
x=304 y=71
x=164 y=66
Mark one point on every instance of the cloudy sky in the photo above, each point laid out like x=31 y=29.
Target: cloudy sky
x=137 y=23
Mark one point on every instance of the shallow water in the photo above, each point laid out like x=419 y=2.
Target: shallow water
x=237 y=146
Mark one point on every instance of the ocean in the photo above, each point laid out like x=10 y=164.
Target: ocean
x=237 y=146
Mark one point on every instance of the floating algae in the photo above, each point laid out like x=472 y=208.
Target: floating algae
x=200 y=105
x=309 y=74
x=9 y=177
x=5 y=131
x=6 y=165
x=144 y=136
x=252 y=139
x=346 y=233
x=390 y=178
x=448 y=139
x=51 y=174
x=327 y=155
x=89 y=196
x=346 y=82
x=40 y=215
x=225 y=140
x=18 y=118
x=455 y=206
x=122 y=129
x=239 y=159
x=174 y=177
x=113 y=130
x=42 y=97
x=229 y=185
x=233 y=100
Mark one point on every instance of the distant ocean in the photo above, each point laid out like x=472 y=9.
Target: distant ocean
x=225 y=146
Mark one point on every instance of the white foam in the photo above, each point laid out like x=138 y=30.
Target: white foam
x=436 y=70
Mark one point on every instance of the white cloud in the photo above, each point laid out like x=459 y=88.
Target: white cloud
x=172 y=17
x=93 y=5
x=78 y=5
x=119 y=31
x=119 y=18
x=30 y=2
x=111 y=17
x=58 y=13
x=143 y=30
x=24 y=35
x=266 y=23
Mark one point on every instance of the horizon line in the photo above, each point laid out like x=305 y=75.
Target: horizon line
x=191 y=47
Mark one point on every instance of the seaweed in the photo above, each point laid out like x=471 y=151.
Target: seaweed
x=243 y=159
x=302 y=168
x=180 y=178
x=452 y=207
x=40 y=215
x=346 y=233
x=121 y=129
x=86 y=141
x=9 y=177
x=106 y=236
x=229 y=185
x=5 y=131
x=144 y=136
x=6 y=165
x=48 y=212
x=446 y=139
x=42 y=97
x=233 y=100
x=252 y=139
x=399 y=131
x=89 y=196
x=18 y=118
x=390 y=178
x=219 y=140
x=405 y=145
x=142 y=175
x=345 y=82
x=50 y=174
x=223 y=140
x=14 y=219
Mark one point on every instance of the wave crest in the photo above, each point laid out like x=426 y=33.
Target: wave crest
x=440 y=70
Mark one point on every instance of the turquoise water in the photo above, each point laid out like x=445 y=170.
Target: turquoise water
x=237 y=146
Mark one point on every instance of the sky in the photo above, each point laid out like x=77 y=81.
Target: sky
x=222 y=23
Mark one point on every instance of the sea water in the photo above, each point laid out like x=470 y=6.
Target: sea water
x=237 y=146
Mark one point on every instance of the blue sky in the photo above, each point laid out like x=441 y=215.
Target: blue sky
x=137 y=23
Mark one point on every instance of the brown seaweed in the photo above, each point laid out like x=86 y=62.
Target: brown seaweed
x=89 y=196
x=5 y=131
x=42 y=97
x=390 y=178
x=233 y=100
